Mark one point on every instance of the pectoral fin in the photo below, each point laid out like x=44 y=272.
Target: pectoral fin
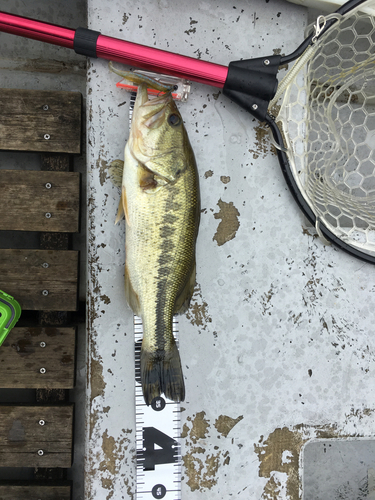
x=116 y=171
x=120 y=211
x=150 y=181
x=183 y=300
x=146 y=178
x=131 y=296
x=122 y=208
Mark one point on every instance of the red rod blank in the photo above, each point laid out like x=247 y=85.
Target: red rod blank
x=161 y=61
x=37 y=30
x=121 y=51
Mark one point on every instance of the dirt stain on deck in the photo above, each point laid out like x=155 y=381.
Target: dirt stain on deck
x=114 y=454
x=281 y=450
x=225 y=179
x=104 y=298
x=108 y=447
x=103 y=167
x=262 y=144
x=199 y=427
x=96 y=379
x=201 y=470
x=97 y=389
x=225 y=424
x=203 y=460
x=229 y=223
x=197 y=313
x=271 y=453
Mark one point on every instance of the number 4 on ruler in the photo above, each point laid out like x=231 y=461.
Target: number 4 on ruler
x=165 y=453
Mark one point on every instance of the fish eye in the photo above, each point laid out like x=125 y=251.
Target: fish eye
x=173 y=120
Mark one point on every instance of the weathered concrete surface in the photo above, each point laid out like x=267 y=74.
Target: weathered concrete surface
x=278 y=345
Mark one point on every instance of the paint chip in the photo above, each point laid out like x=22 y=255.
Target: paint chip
x=225 y=424
x=225 y=179
x=229 y=223
x=201 y=463
x=197 y=313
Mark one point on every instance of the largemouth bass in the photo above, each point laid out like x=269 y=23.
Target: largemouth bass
x=160 y=200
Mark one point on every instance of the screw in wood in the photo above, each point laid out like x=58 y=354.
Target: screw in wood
x=40 y=453
x=47 y=137
x=42 y=344
x=45 y=107
x=48 y=215
x=45 y=265
x=43 y=370
x=48 y=185
x=45 y=293
x=42 y=422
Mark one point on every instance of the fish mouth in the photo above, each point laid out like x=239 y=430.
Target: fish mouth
x=162 y=98
x=153 y=112
x=158 y=107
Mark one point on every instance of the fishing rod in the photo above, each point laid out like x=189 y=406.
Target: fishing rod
x=250 y=83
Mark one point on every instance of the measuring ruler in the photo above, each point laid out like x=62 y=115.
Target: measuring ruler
x=158 y=431
x=158 y=426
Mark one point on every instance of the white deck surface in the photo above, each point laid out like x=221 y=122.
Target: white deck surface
x=278 y=346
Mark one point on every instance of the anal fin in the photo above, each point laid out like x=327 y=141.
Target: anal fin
x=183 y=300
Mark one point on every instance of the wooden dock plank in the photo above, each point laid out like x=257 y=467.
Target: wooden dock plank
x=40 y=279
x=42 y=121
x=34 y=491
x=38 y=358
x=39 y=201
x=36 y=436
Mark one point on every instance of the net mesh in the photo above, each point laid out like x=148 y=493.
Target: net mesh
x=328 y=121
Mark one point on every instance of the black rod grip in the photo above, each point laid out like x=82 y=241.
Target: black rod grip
x=85 y=42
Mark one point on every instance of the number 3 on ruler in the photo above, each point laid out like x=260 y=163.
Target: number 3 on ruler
x=166 y=453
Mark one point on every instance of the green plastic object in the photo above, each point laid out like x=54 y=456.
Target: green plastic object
x=10 y=312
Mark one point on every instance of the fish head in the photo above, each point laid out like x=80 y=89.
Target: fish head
x=158 y=139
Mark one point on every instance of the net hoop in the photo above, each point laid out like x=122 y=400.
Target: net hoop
x=326 y=123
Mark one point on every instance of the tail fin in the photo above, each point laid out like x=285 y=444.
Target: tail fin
x=161 y=372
